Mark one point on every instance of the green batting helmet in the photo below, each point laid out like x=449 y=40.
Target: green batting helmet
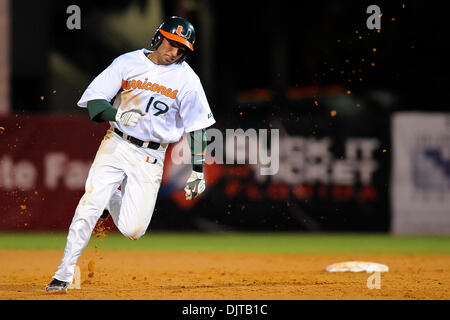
x=176 y=29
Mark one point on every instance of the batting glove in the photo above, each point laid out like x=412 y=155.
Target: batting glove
x=130 y=117
x=195 y=185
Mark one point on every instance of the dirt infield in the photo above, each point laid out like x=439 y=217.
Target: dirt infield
x=172 y=276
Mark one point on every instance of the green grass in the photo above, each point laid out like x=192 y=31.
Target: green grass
x=295 y=243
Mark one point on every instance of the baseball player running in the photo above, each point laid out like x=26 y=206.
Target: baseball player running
x=158 y=97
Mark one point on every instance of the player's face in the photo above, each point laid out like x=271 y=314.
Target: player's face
x=169 y=52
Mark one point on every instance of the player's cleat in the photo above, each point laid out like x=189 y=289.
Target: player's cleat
x=105 y=214
x=57 y=286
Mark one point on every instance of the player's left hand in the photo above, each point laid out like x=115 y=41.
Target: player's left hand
x=195 y=185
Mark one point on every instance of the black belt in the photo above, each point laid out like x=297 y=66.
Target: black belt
x=137 y=142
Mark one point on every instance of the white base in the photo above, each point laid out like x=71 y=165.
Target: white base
x=357 y=266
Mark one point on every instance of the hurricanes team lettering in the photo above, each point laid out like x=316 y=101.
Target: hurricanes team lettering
x=155 y=87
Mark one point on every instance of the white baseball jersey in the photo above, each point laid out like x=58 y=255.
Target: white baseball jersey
x=175 y=103
x=172 y=95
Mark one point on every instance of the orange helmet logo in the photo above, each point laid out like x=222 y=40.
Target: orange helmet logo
x=180 y=32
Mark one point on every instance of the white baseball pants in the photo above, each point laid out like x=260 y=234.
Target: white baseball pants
x=118 y=162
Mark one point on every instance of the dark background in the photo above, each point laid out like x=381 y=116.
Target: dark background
x=263 y=44
x=260 y=62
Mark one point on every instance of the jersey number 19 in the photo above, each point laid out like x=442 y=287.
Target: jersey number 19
x=155 y=105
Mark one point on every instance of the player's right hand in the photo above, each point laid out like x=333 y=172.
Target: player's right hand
x=195 y=185
x=130 y=117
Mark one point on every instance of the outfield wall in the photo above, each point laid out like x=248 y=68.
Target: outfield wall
x=324 y=181
x=333 y=175
x=420 y=197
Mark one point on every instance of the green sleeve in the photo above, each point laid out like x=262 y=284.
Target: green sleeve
x=198 y=143
x=101 y=110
